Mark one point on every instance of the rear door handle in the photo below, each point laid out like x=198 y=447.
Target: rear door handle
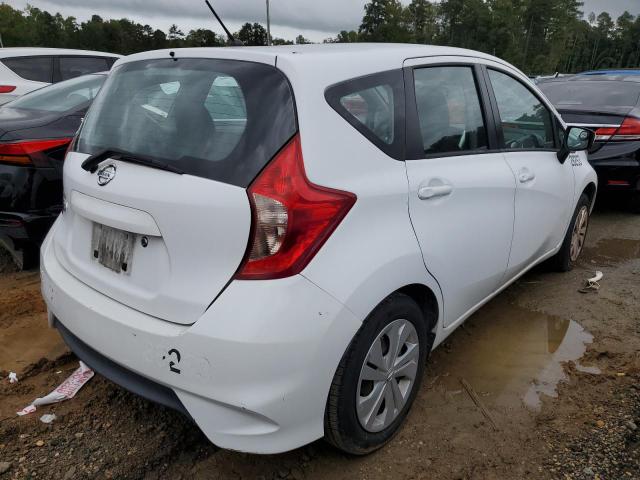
x=427 y=192
x=525 y=175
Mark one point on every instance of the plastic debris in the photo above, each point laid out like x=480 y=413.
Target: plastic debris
x=13 y=377
x=48 y=417
x=64 y=391
x=591 y=284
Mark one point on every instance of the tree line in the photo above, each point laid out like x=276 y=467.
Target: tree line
x=539 y=36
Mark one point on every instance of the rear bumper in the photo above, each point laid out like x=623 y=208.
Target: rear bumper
x=253 y=372
x=126 y=378
x=620 y=173
x=618 y=178
x=25 y=227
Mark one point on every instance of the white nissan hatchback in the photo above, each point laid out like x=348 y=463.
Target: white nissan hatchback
x=272 y=240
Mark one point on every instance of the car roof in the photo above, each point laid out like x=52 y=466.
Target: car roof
x=604 y=77
x=312 y=60
x=629 y=71
x=10 y=52
x=400 y=50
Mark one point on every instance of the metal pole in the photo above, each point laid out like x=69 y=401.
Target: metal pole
x=268 y=25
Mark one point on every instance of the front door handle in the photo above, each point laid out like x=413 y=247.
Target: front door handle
x=427 y=192
x=525 y=175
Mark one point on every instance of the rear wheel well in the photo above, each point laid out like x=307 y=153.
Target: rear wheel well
x=426 y=300
x=590 y=191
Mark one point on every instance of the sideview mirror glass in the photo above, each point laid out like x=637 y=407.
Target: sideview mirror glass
x=578 y=139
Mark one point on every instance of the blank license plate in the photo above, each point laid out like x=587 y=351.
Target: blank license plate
x=112 y=248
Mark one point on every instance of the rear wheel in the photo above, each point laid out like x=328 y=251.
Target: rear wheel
x=378 y=377
x=575 y=237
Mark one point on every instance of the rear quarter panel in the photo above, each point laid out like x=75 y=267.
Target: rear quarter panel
x=374 y=251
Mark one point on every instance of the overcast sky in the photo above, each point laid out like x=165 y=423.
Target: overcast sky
x=315 y=19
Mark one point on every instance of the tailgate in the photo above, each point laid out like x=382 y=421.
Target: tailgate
x=195 y=239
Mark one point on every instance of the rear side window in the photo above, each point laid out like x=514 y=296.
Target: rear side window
x=526 y=123
x=449 y=110
x=38 y=69
x=218 y=119
x=374 y=105
x=71 y=67
x=63 y=96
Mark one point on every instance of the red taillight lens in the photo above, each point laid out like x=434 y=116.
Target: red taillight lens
x=629 y=130
x=21 y=153
x=292 y=217
x=7 y=88
x=603 y=134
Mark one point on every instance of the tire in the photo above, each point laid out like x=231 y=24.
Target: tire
x=346 y=426
x=564 y=260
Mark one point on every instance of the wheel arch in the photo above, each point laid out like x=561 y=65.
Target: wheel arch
x=590 y=191
x=426 y=300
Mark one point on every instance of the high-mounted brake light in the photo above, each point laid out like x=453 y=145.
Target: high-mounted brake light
x=629 y=130
x=292 y=217
x=7 y=88
x=24 y=152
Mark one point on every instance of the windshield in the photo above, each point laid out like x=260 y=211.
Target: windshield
x=63 y=96
x=590 y=93
x=218 y=119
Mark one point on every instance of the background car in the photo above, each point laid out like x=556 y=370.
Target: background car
x=274 y=248
x=35 y=131
x=25 y=69
x=609 y=103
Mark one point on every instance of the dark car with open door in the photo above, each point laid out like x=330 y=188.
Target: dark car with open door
x=35 y=131
x=608 y=103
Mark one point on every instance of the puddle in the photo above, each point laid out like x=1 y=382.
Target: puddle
x=511 y=355
x=611 y=251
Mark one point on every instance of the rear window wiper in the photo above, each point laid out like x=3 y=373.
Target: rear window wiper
x=92 y=162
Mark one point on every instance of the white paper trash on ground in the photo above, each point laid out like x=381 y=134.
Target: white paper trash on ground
x=64 y=391
x=48 y=417
x=13 y=378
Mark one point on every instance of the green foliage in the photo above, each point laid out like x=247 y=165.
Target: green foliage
x=383 y=21
x=539 y=36
x=300 y=40
x=254 y=34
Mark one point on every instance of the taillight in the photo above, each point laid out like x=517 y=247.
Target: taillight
x=605 y=133
x=629 y=130
x=292 y=217
x=7 y=88
x=28 y=152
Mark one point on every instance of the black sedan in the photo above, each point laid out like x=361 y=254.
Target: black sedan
x=609 y=103
x=35 y=131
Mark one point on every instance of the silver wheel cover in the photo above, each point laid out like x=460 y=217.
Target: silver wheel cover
x=388 y=375
x=579 y=233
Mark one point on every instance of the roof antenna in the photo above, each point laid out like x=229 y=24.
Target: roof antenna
x=233 y=41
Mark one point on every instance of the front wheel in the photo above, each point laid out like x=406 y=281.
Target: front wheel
x=378 y=377
x=575 y=237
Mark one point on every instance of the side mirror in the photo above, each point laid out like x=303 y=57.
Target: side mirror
x=575 y=139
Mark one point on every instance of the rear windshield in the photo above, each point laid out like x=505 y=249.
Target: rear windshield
x=591 y=93
x=63 y=96
x=218 y=119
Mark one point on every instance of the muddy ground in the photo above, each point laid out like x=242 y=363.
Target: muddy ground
x=556 y=371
